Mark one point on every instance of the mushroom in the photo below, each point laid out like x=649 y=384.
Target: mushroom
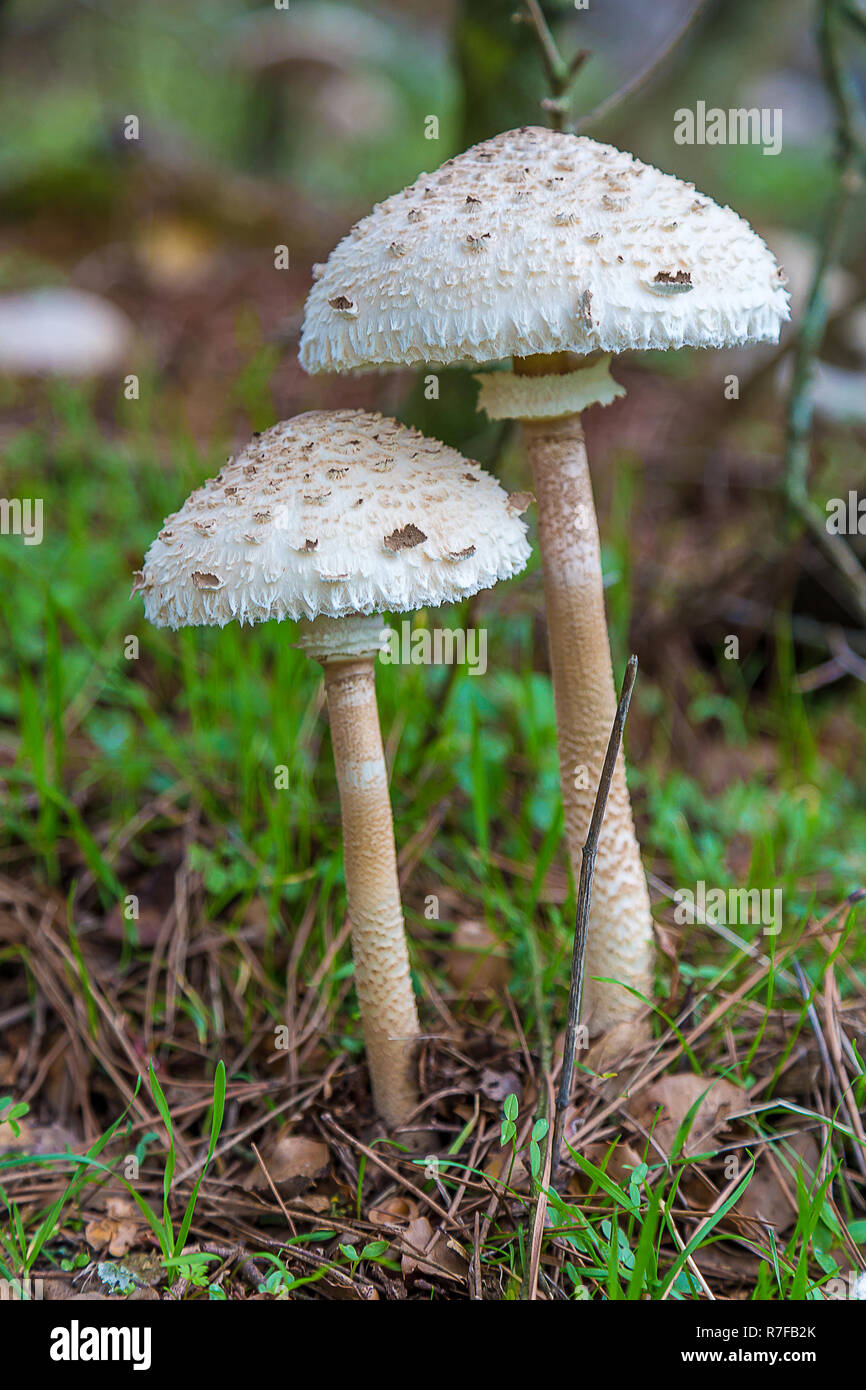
x=61 y=332
x=586 y=251
x=420 y=533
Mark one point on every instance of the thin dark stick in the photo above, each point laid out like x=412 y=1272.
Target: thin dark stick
x=813 y=326
x=635 y=82
x=584 y=897
x=560 y=74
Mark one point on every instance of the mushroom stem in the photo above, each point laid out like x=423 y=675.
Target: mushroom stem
x=388 y=1014
x=619 y=941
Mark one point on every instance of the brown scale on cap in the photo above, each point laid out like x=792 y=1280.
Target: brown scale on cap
x=404 y=538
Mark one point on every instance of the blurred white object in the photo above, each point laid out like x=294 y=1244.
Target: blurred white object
x=335 y=35
x=357 y=106
x=798 y=255
x=838 y=394
x=61 y=332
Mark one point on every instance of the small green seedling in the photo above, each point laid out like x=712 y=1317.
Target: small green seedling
x=373 y=1250
x=539 y=1132
x=193 y=1267
x=511 y=1110
x=11 y=1112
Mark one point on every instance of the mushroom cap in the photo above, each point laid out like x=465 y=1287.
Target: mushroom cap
x=62 y=332
x=536 y=242
x=332 y=513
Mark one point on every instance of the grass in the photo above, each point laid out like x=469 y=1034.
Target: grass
x=173 y=892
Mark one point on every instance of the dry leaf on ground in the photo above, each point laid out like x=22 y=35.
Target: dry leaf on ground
x=476 y=961
x=394 y=1212
x=675 y=1096
x=294 y=1162
x=117 y=1235
x=765 y=1198
x=620 y=1166
x=442 y=1258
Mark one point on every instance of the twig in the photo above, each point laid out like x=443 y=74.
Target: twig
x=476 y=1293
x=373 y=1157
x=236 y=1255
x=541 y=1206
x=680 y=1244
x=584 y=896
x=843 y=662
x=648 y=1072
x=633 y=84
x=553 y=62
x=814 y=323
x=829 y=1070
x=261 y=1162
x=560 y=73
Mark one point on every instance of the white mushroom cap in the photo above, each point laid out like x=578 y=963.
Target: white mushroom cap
x=61 y=332
x=536 y=242
x=332 y=513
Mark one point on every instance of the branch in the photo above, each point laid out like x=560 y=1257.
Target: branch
x=814 y=322
x=560 y=73
x=553 y=62
x=632 y=85
x=584 y=897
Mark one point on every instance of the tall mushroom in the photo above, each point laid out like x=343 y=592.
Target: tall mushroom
x=329 y=519
x=540 y=246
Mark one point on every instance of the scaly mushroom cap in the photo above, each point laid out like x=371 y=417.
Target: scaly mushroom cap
x=538 y=242
x=332 y=513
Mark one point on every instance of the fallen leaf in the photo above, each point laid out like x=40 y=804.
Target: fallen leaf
x=765 y=1199
x=675 y=1096
x=317 y=1202
x=726 y=1261
x=477 y=961
x=118 y=1235
x=497 y=1167
x=293 y=1161
x=394 y=1213
x=442 y=1257
x=118 y=1206
x=619 y=1166
x=35 y=1138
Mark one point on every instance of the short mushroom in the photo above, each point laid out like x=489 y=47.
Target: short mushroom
x=539 y=245
x=329 y=519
